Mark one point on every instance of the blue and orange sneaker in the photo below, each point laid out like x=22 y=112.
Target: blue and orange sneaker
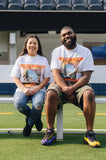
x=90 y=139
x=49 y=138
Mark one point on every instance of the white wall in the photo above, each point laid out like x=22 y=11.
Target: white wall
x=51 y=41
x=5 y=71
x=4 y=37
x=98 y=76
x=48 y=42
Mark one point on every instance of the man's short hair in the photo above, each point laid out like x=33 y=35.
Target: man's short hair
x=65 y=27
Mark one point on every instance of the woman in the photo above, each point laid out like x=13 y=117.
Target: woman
x=31 y=73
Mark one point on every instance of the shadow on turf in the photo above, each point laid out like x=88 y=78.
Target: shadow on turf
x=68 y=139
x=78 y=139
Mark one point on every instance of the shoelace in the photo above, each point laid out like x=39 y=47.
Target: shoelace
x=92 y=136
x=48 y=135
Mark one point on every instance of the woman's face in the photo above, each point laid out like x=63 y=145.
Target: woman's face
x=32 y=46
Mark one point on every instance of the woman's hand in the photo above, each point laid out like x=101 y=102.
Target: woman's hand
x=30 y=91
x=27 y=91
x=34 y=90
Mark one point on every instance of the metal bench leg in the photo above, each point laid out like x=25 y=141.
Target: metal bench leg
x=60 y=123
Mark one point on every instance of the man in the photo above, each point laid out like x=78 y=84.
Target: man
x=72 y=66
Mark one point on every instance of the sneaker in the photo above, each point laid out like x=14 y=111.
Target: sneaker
x=90 y=139
x=27 y=129
x=49 y=137
x=39 y=124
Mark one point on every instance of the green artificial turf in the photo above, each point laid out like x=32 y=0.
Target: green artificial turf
x=16 y=147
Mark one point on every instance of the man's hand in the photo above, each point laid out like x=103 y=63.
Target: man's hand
x=68 y=90
x=69 y=93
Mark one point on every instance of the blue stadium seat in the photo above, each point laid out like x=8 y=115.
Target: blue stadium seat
x=104 y=5
x=99 y=52
x=15 y=5
x=63 y=5
x=47 y=5
x=31 y=5
x=95 y=5
x=79 y=5
x=14 y=1
x=3 y=4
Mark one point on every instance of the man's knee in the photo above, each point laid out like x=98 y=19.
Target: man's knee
x=89 y=95
x=51 y=96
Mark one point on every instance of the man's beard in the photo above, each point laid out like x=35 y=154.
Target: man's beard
x=71 y=44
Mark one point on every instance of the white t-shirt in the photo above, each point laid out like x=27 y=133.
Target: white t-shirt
x=31 y=70
x=72 y=62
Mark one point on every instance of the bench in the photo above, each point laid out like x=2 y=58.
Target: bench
x=7 y=87
x=59 y=113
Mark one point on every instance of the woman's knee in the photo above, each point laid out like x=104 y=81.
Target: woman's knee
x=19 y=104
x=38 y=106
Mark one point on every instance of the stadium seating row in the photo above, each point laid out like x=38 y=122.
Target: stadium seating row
x=52 y=4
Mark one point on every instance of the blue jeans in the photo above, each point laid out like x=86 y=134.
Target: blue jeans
x=20 y=103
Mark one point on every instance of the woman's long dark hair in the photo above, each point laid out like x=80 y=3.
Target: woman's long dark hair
x=39 y=46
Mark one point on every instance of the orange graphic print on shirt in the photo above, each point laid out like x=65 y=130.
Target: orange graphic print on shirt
x=31 y=73
x=69 y=67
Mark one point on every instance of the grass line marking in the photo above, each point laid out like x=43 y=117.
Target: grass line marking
x=96 y=113
x=13 y=113
x=44 y=129
x=7 y=113
x=43 y=113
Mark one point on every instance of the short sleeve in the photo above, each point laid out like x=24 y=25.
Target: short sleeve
x=47 y=69
x=16 y=71
x=55 y=60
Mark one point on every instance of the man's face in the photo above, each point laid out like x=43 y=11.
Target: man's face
x=68 y=38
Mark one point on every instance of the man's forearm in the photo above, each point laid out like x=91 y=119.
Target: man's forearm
x=58 y=79
x=81 y=82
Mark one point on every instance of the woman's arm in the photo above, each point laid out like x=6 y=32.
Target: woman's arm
x=19 y=84
x=40 y=86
